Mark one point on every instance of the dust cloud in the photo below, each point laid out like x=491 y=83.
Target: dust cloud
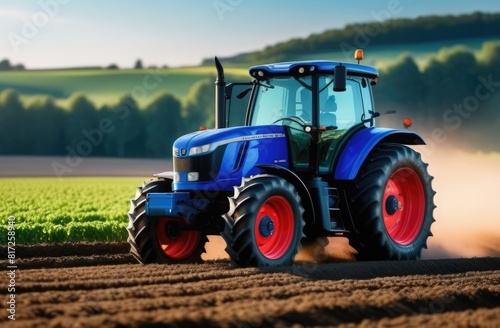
x=468 y=203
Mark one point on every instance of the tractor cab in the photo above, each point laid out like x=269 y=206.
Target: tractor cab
x=306 y=99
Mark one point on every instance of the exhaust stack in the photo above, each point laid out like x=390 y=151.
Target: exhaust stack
x=220 y=96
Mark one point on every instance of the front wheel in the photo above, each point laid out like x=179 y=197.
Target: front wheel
x=265 y=224
x=161 y=239
x=393 y=203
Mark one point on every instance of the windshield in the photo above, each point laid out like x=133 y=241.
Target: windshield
x=283 y=97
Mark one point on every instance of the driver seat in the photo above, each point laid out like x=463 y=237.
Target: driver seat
x=327 y=117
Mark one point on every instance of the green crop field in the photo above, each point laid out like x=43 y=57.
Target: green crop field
x=50 y=210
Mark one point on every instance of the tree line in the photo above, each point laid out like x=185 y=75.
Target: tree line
x=5 y=65
x=381 y=31
x=122 y=130
x=455 y=97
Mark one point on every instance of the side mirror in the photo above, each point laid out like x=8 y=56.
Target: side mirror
x=340 y=77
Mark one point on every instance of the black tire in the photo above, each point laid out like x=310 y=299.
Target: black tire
x=256 y=233
x=392 y=181
x=145 y=237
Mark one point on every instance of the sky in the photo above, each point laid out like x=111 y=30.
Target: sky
x=72 y=33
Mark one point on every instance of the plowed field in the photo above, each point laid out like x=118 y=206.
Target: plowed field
x=100 y=285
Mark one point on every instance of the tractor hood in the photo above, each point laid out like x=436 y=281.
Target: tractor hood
x=207 y=141
x=218 y=159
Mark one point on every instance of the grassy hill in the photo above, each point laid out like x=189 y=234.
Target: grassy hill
x=107 y=86
x=392 y=32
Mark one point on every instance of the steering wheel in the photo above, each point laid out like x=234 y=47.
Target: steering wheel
x=297 y=119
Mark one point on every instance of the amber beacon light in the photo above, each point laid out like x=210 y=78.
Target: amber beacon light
x=358 y=55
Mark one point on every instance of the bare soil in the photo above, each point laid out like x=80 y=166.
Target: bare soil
x=101 y=285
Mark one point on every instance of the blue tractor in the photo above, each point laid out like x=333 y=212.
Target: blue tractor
x=295 y=157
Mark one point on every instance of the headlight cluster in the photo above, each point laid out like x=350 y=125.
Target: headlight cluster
x=180 y=155
x=191 y=176
x=199 y=150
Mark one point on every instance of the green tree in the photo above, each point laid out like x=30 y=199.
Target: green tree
x=5 y=65
x=81 y=117
x=199 y=108
x=127 y=137
x=46 y=128
x=12 y=124
x=164 y=124
x=490 y=58
x=138 y=64
x=401 y=88
x=450 y=78
x=402 y=84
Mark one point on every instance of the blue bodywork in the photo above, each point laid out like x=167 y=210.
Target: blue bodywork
x=237 y=153
x=241 y=150
x=362 y=143
x=166 y=204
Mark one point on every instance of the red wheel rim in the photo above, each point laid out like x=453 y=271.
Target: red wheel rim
x=175 y=240
x=274 y=227
x=403 y=206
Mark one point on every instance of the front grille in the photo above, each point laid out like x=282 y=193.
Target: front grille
x=208 y=166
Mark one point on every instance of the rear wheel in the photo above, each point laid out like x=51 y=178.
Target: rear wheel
x=161 y=239
x=392 y=203
x=265 y=224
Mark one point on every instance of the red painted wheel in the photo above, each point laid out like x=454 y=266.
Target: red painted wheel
x=403 y=206
x=274 y=227
x=175 y=240
x=161 y=240
x=392 y=201
x=265 y=224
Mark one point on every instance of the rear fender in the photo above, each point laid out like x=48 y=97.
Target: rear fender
x=362 y=143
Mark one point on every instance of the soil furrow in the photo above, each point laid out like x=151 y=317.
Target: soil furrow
x=108 y=289
x=300 y=294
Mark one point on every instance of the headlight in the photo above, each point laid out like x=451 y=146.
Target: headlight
x=176 y=151
x=193 y=176
x=199 y=150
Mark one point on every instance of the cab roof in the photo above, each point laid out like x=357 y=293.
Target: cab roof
x=322 y=66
